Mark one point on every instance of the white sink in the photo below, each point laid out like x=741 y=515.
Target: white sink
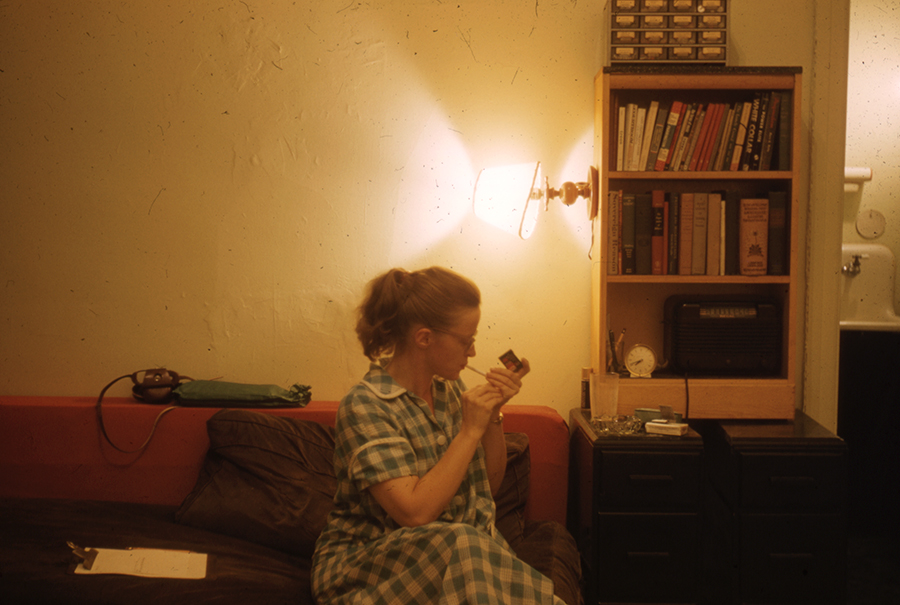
x=867 y=295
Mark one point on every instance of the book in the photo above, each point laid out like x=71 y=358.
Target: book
x=709 y=152
x=639 y=125
x=614 y=232
x=620 y=139
x=754 y=233
x=732 y=201
x=647 y=139
x=659 y=127
x=740 y=137
x=752 y=125
x=732 y=135
x=630 y=122
x=640 y=128
x=657 y=240
x=783 y=149
x=697 y=145
x=673 y=121
x=776 y=259
x=697 y=134
x=773 y=117
x=643 y=234
x=627 y=238
x=721 y=152
x=722 y=235
x=762 y=118
x=683 y=138
x=672 y=230
x=685 y=233
x=698 y=246
x=713 y=233
x=665 y=254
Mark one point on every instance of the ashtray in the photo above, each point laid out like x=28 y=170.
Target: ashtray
x=617 y=425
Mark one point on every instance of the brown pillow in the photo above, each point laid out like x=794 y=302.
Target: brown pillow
x=513 y=494
x=550 y=549
x=266 y=479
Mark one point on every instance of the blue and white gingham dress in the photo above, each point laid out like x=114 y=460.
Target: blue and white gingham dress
x=363 y=556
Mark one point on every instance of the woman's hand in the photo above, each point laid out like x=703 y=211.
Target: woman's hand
x=508 y=382
x=478 y=404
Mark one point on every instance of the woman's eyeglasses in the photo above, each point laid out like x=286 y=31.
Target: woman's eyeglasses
x=466 y=341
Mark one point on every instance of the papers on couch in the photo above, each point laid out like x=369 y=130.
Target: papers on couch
x=146 y=562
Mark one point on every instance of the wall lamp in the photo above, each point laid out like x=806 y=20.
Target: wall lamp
x=509 y=197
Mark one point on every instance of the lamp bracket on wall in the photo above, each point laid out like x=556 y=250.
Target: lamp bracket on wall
x=569 y=192
x=509 y=197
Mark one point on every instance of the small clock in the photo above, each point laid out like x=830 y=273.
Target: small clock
x=640 y=361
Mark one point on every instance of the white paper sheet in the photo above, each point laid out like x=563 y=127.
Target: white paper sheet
x=148 y=563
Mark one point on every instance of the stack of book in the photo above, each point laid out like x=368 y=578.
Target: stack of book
x=695 y=233
x=694 y=136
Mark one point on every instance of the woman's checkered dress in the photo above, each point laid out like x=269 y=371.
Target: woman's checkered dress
x=363 y=556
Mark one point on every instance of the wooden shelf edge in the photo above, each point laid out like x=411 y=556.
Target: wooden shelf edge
x=698 y=279
x=712 y=398
x=688 y=175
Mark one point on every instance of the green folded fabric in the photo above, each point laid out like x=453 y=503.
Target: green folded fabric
x=214 y=393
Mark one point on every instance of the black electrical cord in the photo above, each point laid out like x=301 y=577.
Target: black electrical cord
x=687 y=398
x=140 y=392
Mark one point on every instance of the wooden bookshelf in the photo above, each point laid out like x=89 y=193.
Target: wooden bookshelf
x=636 y=302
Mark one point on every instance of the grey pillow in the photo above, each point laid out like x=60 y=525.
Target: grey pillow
x=266 y=479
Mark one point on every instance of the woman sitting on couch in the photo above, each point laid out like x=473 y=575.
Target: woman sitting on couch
x=417 y=458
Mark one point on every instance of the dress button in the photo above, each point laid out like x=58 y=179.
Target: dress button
x=441 y=440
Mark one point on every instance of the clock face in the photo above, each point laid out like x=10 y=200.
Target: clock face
x=640 y=360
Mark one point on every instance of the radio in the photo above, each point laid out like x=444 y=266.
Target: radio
x=723 y=335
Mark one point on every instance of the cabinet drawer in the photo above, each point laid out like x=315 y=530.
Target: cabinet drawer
x=793 y=558
x=649 y=481
x=788 y=482
x=646 y=557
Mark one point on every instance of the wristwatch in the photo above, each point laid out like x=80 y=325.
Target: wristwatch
x=499 y=419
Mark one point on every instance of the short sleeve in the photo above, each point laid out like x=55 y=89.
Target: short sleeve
x=370 y=439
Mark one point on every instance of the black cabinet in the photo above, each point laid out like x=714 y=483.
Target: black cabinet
x=777 y=513
x=635 y=513
x=735 y=512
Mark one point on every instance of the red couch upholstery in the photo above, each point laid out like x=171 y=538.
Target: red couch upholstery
x=51 y=447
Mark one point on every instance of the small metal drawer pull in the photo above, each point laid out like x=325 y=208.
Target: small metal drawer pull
x=789 y=482
x=651 y=478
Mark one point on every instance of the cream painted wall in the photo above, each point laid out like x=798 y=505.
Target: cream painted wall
x=873 y=129
x=207 y=186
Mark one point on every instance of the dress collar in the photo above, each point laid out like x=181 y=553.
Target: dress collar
x=385 y=387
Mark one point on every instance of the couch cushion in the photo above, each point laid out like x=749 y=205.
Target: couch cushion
x=266 y=478
x=550 y=548
x=513 y=494
x=270 y=479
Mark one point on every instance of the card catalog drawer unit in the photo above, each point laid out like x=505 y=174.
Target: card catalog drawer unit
x=668 y=31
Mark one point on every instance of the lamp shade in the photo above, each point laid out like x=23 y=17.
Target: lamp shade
x=508 y=197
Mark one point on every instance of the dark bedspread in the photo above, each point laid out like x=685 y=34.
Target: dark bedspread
x=35 y=561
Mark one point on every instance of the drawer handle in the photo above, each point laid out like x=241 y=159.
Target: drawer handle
x=790 y=556
x=793 y=482
x=647 y=556
x=651 y=478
